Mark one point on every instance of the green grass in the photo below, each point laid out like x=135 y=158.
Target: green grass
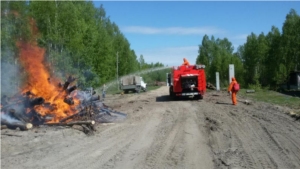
x=274 y=97
x=152 y=87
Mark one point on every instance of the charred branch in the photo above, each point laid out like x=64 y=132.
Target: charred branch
x=84 y=128
x=69 y=101
x=71 y=89
x=71 y=79
x=7 y=134
x=68 y=82
x=78 y=127
x=88 y=122
x=94 y=98
x=29 y=93
x=66 y=85
x=87 y=129
x=70 y=117
x=36 y=118
x=84 y=114
x=16 y=124
x=31 y=102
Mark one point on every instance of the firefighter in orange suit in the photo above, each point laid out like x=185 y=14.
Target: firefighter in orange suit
x=185 y=62
x=233 y=92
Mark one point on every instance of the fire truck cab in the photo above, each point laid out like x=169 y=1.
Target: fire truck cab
x=187 y=81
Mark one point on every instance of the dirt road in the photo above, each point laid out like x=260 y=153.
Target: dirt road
x=160 y=133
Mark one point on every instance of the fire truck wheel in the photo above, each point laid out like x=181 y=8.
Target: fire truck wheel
x=171 y=91
x=172 y=94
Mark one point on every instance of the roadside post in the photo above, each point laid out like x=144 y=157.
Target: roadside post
x=217 y=81
x=231 y=72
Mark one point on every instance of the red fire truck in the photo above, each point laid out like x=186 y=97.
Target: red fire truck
x=187 y=81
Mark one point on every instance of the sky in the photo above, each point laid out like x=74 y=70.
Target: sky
x=168 y=31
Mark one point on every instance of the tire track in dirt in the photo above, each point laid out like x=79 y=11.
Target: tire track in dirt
x=171 y=138
x=198 y=155
x=177 y=140
x=143 y=139
x=271 y=142
x=174 y=152
x=226 y=145
x=249 y=131
x=159 y=141
x=88 y=149
x=252 y=148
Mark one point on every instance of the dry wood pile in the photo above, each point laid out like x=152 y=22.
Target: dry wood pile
x=27 y=110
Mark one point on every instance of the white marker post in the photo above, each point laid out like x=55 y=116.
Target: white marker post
x=167 y=79
x=231 y=72
x=218 y=81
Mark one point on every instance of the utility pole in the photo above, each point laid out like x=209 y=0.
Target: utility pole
x=117 y=70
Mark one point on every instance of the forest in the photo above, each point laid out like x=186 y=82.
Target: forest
x=264 y=60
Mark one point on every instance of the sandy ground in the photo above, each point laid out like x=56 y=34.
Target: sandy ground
x=160 y=133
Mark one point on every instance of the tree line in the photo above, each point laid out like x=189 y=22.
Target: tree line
x=264 y=60
x=79 y=38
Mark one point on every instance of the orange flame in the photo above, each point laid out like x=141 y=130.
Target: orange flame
x=38 y=80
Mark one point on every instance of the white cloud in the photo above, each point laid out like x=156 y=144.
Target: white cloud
x=240 y=37
x=238 y=40
x=172 y=30
x=171 y=56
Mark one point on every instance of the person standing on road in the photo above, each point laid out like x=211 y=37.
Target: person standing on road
x=185 y=62
x=233 y=91
x=103 y=91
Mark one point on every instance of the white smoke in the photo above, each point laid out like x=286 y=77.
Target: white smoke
x=8 y=118
x=81 y=95
x=10 y=78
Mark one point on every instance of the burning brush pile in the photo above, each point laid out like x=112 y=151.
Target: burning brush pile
x=69 y=107
x=46 y=101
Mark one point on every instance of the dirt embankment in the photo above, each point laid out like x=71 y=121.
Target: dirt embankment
x=160 y=133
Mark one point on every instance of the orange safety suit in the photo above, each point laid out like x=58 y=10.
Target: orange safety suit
x=185 y=62
x=233 y=92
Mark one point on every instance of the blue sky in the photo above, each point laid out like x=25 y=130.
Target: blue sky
x=167 y=31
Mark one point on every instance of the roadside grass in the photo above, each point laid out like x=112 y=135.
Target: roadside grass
x=274 y=97
x=152 y=87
